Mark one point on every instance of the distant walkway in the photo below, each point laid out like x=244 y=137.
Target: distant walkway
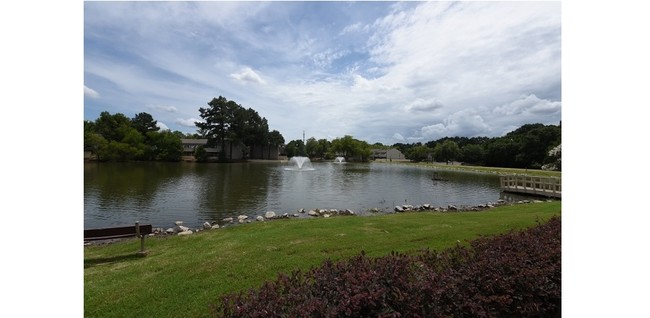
x=542 y=186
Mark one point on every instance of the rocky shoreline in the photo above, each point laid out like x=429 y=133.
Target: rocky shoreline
x=179 y=229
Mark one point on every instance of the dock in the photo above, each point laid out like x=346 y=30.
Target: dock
x=542 y=186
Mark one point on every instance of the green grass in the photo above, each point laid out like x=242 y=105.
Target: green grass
x=495 y=170
x=182 y=275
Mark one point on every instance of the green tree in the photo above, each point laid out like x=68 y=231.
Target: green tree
x=349 y=147
x=553 y=159
x=295 y=148
x=200 y=154
x=166 y=145
x=144 y=123
x=311 y=147
x=363 y=149
x=275 y=140
x=419 y=153
x=217 y=120
x=324 y=149
x=344 y=146
x=501 y=153
x=112 y=127
x=116 y=137
x=535 y=145
x=238 y=130
x=472 y=153
x=96 y=144
x=258 y=131
x=136 y=142
x=119 y=151
x=446 y=151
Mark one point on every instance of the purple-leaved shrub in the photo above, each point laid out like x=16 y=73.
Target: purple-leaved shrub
x=517 y=274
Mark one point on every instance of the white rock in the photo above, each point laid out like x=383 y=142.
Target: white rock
x=242 y=217
x=185 y=232
x=269 y=215
x=207 y=225
x=169 y=230
x=260 y=218
x=181 y=228
x=178 y=223
x=214 y=227
x=312 y=213
x=227 y=220
x=326 y=215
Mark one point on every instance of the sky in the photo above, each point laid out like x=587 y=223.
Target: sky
x=383 y=72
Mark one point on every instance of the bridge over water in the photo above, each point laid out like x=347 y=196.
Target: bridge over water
x=542 y=186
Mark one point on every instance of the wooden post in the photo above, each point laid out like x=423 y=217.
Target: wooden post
x=142 y=252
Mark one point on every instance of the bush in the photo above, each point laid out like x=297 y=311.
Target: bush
x=511 y=275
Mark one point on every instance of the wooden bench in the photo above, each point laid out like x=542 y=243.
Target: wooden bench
x=109 y=233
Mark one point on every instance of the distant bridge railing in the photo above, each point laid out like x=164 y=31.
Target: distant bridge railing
x=542 y=186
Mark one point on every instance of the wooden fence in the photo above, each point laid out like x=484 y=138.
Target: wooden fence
x=542 y=186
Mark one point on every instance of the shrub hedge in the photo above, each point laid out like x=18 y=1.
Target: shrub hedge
x=517 y=274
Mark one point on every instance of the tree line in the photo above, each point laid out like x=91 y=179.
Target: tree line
x=346 y=146
x=120 y=138
x=529 y=146
x=116 y=137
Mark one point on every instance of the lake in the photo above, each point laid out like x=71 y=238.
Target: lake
x=161 y=193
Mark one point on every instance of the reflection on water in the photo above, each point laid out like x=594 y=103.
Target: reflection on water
x=161 y=193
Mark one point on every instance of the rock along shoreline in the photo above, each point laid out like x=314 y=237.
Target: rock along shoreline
x=180 y=230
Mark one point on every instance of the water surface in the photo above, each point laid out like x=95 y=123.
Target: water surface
x=162 y=193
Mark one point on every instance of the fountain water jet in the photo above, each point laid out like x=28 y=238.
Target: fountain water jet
x=300 y=164
x=339 y=160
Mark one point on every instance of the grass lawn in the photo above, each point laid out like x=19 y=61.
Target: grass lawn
x=495 y=170
x=183 y=275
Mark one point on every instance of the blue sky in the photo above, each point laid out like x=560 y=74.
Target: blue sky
x=380 y=71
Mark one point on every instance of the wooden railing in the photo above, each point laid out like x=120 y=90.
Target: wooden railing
x=543 y=186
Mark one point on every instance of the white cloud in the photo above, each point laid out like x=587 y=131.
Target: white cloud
x=170 y=109
x=361 y=83
x=190 y=122
x=388 y=71
x=162 y=126
x=356 y=27
x=530 y=104
x=466 y=123
x=325 y=59
x=89 y=92
x=247 y=75
x=398 y=137
x=434 y=131
x=423 y=105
